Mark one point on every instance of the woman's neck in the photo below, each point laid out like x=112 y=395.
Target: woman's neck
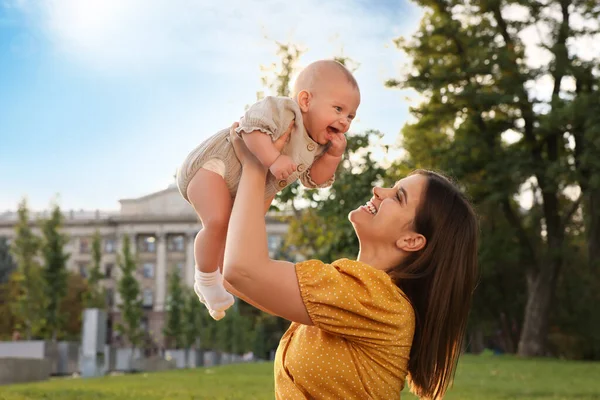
x=379 y=257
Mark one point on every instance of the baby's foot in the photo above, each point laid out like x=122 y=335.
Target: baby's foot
x=216 y=315
x=210 y=290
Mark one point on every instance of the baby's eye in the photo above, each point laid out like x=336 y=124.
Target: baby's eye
x=338 y=109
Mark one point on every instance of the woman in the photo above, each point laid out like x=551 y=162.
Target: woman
x=360 y=327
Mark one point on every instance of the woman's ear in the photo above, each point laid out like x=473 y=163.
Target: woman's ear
x=303 y=99
x=411 y=242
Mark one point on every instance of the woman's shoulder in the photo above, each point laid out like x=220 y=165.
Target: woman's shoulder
x=356 y=300
x=357 y=276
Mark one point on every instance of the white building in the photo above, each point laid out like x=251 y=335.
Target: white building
x=162 y=227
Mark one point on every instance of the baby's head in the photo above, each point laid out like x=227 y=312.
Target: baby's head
x=328 y=97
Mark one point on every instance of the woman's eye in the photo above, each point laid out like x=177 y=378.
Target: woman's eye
x=398 y=197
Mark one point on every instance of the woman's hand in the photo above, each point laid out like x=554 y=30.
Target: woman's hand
x=242 y=152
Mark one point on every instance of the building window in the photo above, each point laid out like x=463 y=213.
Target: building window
x=110 y=245
x=84 y=245
x=148 y=270
x=83 y=270
x=147 y=298
x=144 y=324
x=176 y=243
x=108 y=268
x=147 y=243
x=110 y=297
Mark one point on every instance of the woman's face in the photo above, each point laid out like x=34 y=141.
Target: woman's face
x=388 y=216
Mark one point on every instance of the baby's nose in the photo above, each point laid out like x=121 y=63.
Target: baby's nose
x=345 y=124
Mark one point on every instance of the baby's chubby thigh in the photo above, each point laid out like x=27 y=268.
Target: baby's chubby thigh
x=209 y=195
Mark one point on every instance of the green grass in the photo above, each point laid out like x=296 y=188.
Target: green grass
x=478 y=377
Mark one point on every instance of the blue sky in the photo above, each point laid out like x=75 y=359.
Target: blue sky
x=101 y=99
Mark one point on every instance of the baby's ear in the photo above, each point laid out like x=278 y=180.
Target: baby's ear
x=303 y=100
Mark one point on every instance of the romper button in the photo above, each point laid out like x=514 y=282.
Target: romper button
x=282 y=183
x=310 y=146
x=301 y=168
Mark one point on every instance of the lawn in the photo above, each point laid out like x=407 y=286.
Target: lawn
x=478 y=377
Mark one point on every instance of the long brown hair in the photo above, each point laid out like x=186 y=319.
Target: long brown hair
x=439 y=281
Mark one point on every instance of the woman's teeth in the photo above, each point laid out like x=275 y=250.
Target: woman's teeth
x=371 y=207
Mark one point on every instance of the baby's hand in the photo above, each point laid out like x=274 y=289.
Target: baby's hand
x=338 y=145
x=283 y=167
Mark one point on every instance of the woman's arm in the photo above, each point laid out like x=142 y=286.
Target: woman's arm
x=268 y=284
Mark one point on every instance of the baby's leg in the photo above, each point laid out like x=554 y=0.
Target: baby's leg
x=210 y=197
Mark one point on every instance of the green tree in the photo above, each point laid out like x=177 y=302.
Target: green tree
x=468 y=63
x=54 y=272
x=72 y=306
x=195 y=316
x=95 y=297
x=175 y=325
x=7 y=264
x=29 y=303
x=131 y=302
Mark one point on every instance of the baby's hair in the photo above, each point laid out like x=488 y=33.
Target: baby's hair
x=314 y=71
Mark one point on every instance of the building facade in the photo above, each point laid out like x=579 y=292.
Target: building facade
x=161 y=226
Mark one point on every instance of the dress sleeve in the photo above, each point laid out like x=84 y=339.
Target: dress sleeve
x=271 y=115
x=354 y=300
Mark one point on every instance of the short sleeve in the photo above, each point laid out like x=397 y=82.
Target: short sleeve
x=354 y=300
x=271 y=115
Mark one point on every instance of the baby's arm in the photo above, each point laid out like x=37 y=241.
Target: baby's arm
x=324 y=168
x=262 y=120
x=260 y=144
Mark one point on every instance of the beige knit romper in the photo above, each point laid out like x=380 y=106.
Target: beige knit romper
x=271 y=115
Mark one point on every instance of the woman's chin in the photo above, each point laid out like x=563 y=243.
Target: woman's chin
x=352 y=215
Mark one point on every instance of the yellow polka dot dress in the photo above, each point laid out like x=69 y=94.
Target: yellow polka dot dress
x=359 y=345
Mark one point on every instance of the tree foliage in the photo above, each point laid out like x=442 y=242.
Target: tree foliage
x=54 y=271
x=28 y=300
x=95 y=296
x=7 y=264
x=468 y=62
x=176 y=319
x=129 y=291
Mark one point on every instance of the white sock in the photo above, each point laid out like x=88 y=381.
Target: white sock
x=216 y=315
x=210 y=290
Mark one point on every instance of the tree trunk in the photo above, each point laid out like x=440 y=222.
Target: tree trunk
x=592 y=216
x=477 y=340
x=540 y=289
x=131 y=358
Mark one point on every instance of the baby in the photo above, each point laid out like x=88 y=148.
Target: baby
x=326 y=97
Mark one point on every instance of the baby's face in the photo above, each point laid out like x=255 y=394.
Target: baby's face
x=331 y=110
